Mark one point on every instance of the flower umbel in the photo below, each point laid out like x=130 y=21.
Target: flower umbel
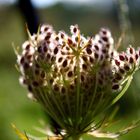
x=76 y=78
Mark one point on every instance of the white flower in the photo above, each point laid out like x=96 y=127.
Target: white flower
x=75 y=77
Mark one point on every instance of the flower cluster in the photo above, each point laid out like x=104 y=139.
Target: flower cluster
x=74 y=77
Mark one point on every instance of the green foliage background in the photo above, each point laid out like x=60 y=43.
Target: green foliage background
x=15 y=107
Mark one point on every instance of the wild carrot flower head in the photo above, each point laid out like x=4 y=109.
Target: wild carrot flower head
x=75 y=78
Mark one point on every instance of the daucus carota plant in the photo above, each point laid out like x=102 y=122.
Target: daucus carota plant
x=76 y=78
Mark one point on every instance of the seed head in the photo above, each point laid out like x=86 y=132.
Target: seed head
x=76 y=78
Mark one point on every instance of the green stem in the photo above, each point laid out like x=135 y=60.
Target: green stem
x=75 y=137
x=123 y=90
x=72 y=137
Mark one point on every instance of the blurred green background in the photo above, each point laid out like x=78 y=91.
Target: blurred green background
x=90 y=15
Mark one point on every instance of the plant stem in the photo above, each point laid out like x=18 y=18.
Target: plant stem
x=75 y=137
